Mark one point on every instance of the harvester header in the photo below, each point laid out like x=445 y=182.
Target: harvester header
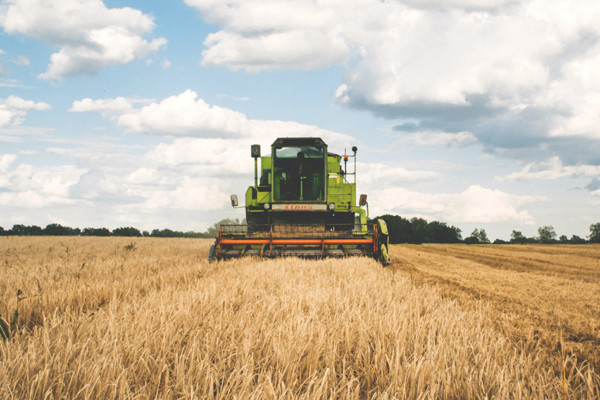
x=302 y=203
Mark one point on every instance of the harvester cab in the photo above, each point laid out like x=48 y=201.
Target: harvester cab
x=303 y=204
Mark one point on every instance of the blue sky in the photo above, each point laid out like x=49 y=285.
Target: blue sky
x=481 y=114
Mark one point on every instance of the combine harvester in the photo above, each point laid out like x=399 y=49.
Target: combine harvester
x=303 y=205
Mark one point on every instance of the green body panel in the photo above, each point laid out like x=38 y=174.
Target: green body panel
x=324 y=185
x=303 y=203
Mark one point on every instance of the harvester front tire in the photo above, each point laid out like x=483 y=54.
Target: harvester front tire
x=384 y=258
x=212 y=253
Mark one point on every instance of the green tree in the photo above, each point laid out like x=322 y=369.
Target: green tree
x=95 y=232
x=546 y=234
x=399 y=228
x=478 y=236
x=563 y=239
x=577 y=240
x=439 y=232
x=419 y=230
x=127 y=231
x=594 y=236
x=23 y=230
x=483 y=238
x=517 y=237
x=59 y=230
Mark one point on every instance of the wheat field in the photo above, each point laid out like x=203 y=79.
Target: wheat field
x=149 y=318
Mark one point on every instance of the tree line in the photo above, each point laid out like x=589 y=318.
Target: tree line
x=401 y=230
x=419 y=230
x=59 y=230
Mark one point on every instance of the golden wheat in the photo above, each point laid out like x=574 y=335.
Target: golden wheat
x=541 y=296
x=149 y=318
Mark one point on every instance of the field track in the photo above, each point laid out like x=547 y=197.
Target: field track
x=147 y=318
x=538 y=294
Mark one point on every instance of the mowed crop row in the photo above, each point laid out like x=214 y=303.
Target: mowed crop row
x=150 y=318
x=541 y=296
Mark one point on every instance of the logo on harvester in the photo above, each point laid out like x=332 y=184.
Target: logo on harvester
x=298 y=207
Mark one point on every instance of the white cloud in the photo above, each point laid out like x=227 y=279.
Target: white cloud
x=30 y=186
x=272 y=34
x=183 y=193
x=89 y=35
x=442 y=139
x=379 y=173
x=6 y=160
x=189 y=116
x=212 y=156
x=444 y=57
x=11 y=83
x=184 y=115
x=13 y=110
x=476 y=204
x=490 y=5
x=283 y=50
x=106 y=106
x=491 y=61
x=552 y=168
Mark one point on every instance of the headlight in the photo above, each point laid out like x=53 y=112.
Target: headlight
x=332 y=206
x=267 y=206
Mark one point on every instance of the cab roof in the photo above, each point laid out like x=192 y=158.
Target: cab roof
x=299 y=141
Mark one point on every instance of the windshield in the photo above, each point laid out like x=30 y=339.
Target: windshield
x=299 y=173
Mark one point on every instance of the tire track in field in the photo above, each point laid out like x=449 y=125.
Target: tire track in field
x=530 y=305
x=573 y=263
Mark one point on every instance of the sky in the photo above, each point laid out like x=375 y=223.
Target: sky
x=477 y=113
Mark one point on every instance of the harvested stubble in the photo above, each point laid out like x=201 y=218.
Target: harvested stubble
x=148 y=318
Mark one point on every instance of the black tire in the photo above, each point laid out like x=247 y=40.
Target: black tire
x=384 y=257
x=212 y=253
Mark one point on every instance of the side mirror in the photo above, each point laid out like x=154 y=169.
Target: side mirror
x=363 y=200
x=234 y=200
x=255 y=150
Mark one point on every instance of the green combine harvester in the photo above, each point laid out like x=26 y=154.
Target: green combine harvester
x=303 y=204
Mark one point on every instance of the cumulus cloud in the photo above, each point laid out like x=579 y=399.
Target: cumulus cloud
x=183 y=193
x=380 y=173
x=511 y=73
x=6 y=160
x=476 y=204
x=440 y=139
x=264 y=35
x=89 y=35
x=13 y=110
x=187 y=115
x=25 y=185
x=184 y=115
x=105 y=106
x=552 y=168
x=214 y=157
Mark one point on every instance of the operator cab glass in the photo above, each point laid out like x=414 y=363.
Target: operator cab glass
x=299 y=173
